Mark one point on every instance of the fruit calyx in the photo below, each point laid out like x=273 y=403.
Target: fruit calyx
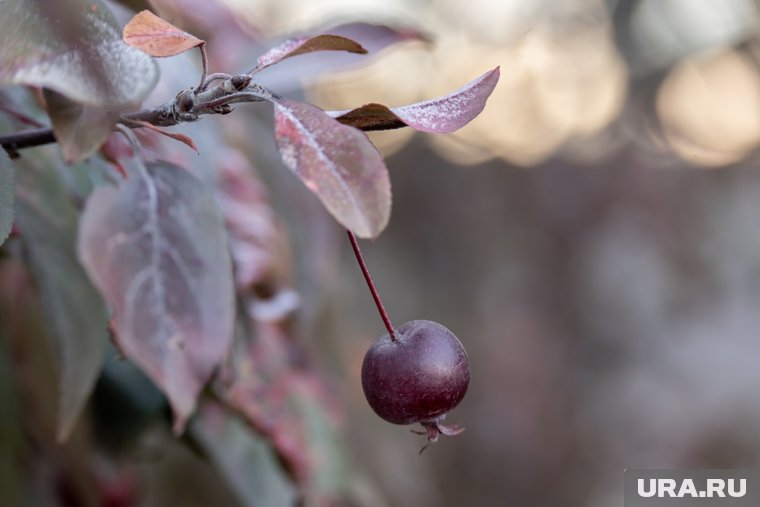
x=434 y=428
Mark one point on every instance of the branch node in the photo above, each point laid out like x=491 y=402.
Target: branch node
x=185 y=101
x=241 y=82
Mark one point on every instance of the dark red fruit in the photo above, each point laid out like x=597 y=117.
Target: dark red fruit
x=419 y=377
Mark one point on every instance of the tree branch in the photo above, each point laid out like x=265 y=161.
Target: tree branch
x=26 y=139
x=185 y=107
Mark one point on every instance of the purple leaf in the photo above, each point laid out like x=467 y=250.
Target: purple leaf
x=259 y=248
x=75 y=48
x=155 y=247
x=440 y=116
x=80 y=129
x=336 y=162
x=303 y=45
x=287 y=75
x=377 y=37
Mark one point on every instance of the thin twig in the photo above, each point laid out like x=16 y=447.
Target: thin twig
x=135 y=163
x=204 y=63
x=131 y=137
x=27 y=138
x=371 y=285
x=233 y=98
x=216 y=76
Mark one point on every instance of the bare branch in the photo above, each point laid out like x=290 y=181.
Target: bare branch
x=26 y=139
x=186 y=107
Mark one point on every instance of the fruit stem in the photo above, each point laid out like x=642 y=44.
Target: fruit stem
x=371 y=285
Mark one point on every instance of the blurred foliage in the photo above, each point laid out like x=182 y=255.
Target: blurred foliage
x=607 y=296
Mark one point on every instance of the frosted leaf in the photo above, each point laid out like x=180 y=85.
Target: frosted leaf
x=73 y=47
x=336 y=162
x=156 y=248
x=303 y=45
x=441 y=116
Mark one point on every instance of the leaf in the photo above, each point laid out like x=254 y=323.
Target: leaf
x=291 y=407
x=33 y=365
x=376 y=37
x=156 y=248
x=287 y=76
x=332 y=474
x=73 y=47
x=440 y=116
x=149 y=33
x=258 y=246
x=258 y=383
x=261 y=384
x=11 y=428
x=80 y=129
x=125 y=403
x=372 y=116
x=186 y=140
x=75 y=313
x=6 y=196
x=337 y=163
x=303 y=45
x=245 y=459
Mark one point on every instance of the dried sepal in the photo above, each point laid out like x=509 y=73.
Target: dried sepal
x=186 y=140
x=434 y=428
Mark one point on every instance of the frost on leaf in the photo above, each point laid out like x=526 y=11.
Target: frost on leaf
x=157 y=37
x=303 y=45
x=440 y=116
x=6 y=196
x=73 y=47
x=336 y=162
x=156 y=248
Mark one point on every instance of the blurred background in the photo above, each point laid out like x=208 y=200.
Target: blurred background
x=592 y=237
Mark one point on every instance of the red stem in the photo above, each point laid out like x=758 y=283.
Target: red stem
x=371 y=285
